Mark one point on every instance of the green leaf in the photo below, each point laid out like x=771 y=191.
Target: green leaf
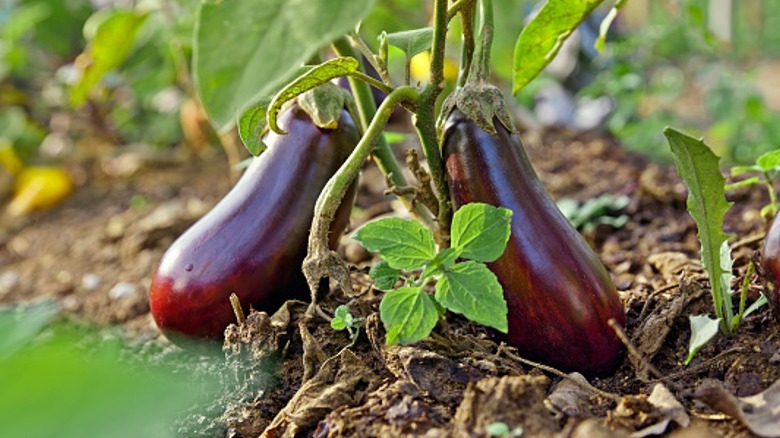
x=318 y=75
x=472 y=290
x=56 y=387
x=405 y=244
x=769 y=161
x=252 y=122
x=698 y=167
x=480 y=231
x=601 y=41
x=412 y=42
x=757 y=304
x=703 y=328
x=408 y=314
x=443 y=260
x=113 y=40
x=543 y=37
x=251 y=125
x=19 y=326
x=739 y=170
x=342 y=318
x=324 y=104
x=384 y=276
x=243 y=49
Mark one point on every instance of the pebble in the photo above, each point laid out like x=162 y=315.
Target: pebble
x=121 y=290
x=8 y=281
x=90 y=281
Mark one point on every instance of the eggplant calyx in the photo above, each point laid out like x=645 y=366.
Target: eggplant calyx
x=480 y=102
x=324 y=104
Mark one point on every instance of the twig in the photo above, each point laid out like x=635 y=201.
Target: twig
x=695 y=369
x=425 y=193
x=631 y=349
x=584 y=385
x=237 y=310
x=748 y=240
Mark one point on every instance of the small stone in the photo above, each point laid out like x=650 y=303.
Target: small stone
x=121 y=290
x=90 y=281
x=8 y=281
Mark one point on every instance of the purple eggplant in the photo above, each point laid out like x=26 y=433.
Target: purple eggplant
x=560 y=296
x=252 y=243
x=770 y=262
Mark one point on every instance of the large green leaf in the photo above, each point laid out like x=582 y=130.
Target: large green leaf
x=408 y=314
x=113 y=39
x=470 y=289
x=480 y=231
x=699 y=169
x=541 y=40
x=244 y=49
x=405 y=244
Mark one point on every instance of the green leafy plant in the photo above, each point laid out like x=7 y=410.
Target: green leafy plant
x=502 y=430
x=595 y=211
x=409 y=313
x=767 y=168
x=343 y=320
x=699 y=169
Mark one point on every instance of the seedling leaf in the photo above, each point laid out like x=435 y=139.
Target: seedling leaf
x=408 y=314
x=470 y=289
x=480 y=231
x=404 y=244
x=703 y=328
x=698 y=167
x=384 y=275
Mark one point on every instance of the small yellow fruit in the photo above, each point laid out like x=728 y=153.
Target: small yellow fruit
x=420 y=67
x=39 y=187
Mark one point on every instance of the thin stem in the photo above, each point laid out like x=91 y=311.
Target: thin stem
x=385 y=159
x=467 y=47
x=772 y=195
x=377 y=62
x=481 y=68
x=371 y=81
x=426 y=119
x=334 y=191
x=743 y=293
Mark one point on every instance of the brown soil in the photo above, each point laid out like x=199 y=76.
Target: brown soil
x=96 y=252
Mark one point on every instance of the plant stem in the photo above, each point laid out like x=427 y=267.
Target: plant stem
x=426 y=120
x=480 y=69
x=772 y=195
x=375 y=61
x=467 y=48
x=743 y=293
x=319 y=261
x=385 y=159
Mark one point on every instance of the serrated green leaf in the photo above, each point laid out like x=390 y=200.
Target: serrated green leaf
x=543 y=37
x=404 y=244
x=316 y=76
x=480 y=231
x=703 y=328
x=699 y=169
x=408 y=315
x=243 y=49
x=757 y=304
x=470 y=289
x=412 y=42
x=769 y=160
x=384 y=275
x=113 y=40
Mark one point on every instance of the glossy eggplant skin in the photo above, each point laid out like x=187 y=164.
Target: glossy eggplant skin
x=254 y=240
x=770 y=262
x=559 y=294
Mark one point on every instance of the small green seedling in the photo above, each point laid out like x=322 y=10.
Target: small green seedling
x=595 y=211
x=464 y=284
x=502 y=430
x=699 y=169
x=343 y=320
x=767 y=168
